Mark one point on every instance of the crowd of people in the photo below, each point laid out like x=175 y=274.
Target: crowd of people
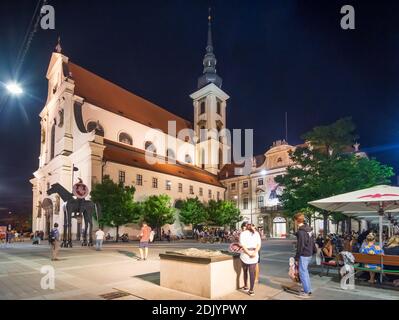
x=11 y=236
x=365 y=242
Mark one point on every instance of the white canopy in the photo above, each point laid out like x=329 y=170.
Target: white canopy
x=365 y=200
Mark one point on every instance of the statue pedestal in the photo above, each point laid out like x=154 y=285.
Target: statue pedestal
x=207 y=277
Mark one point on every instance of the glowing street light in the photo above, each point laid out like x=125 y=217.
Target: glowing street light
x=14 y=88
x=263 y=172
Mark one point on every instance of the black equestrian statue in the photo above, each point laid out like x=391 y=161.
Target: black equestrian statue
x=78 y=206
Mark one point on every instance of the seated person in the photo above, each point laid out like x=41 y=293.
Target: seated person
x=328 y=250
x=392 y=249
x=370 y=247
x=348 y=243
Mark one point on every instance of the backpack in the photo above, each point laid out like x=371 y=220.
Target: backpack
x=52 y=236
x=152 y=235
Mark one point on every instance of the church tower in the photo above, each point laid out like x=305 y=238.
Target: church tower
x=212 y=149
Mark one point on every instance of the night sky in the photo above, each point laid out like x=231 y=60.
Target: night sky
x=273 y=56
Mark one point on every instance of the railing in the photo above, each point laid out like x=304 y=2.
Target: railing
x=271 y=209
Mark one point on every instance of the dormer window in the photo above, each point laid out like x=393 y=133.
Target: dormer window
x=149 y=146
x=125 y=138
x=95 y=125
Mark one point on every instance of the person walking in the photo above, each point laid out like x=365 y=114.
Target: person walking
x=54 y=238
x=99 y=239
x=144 y=240
x=304 y=251
x=250 y=242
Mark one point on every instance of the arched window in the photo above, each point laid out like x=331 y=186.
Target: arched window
x=149 y=146
x=52 y=141
x=188 y=159
x=125 y=138
x=202 y=158
x=170 y=153
x=95 y=125
x=202 y=107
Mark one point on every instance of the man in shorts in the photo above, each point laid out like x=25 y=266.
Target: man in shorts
x=144 y=240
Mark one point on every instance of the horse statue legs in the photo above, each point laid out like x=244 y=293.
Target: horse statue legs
x=69 y=227
x=64 y=234
x=88 y=225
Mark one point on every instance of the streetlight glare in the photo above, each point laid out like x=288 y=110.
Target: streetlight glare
x=14 y=88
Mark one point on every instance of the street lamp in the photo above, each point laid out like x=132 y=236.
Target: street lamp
x=14 y=88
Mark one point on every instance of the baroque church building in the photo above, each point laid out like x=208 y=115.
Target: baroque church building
x=91 y=128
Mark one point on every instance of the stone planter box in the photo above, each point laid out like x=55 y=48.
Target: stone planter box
x=205 y=277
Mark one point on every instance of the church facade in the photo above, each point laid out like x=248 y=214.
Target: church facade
x=91 y=128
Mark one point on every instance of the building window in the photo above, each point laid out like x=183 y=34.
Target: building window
x=191 y=190
x=245 y=184
x=218 y=195
x=261 y=201
x=209 y=193
x=155 y=183
x=149 y=146
x=201 y=192
x=122 y=176
x=202 y=107
x=260 y=182
x=187 y=158
x=245 y=203
x=52 y=147
x=233 y=186
x=95 y=125
x=168 y=185
x=170 y=153
x=139 y=180
x=219 y=108
x=180 y=187
x=125 y=138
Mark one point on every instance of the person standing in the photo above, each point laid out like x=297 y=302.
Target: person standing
x=144 y=240
x=54 y=238
x=304 y=251
x=99 y=239
x=250 y=242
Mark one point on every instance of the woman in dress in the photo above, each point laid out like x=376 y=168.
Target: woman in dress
x=370 y=247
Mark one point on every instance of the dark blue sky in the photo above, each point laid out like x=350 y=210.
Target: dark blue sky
x=273 y=56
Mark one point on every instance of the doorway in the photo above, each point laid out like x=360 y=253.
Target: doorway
x=279 y=228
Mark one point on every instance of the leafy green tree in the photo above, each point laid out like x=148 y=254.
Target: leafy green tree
x=117 y=204
x=158 y=211
x=192 y=211
x=222 y=213
x=318 y=174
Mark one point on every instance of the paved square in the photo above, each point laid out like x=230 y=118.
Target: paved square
x=116 y=274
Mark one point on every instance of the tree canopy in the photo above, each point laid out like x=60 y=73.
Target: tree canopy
x=158 y=211
x=222 y=213
x=192 y=211
x=117 y=203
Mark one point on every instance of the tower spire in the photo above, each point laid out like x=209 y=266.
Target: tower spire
x=209 y=61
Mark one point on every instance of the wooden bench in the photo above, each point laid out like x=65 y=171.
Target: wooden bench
x=384 y=261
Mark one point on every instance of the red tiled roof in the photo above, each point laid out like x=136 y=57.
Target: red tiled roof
x=108 y=96
x=124 y=154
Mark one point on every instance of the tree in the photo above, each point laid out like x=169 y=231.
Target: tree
x=222 y=213
x=335 y=137
x=318 y=174
x=117 y=204
x=158 y=211
x=192 y=211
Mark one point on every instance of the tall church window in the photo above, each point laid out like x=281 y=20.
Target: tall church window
x=52 y=141
x=202 y=158
x=202 y=107
x=125 y=138
x=219 y=108
x=245 y=203
x=220 y=164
